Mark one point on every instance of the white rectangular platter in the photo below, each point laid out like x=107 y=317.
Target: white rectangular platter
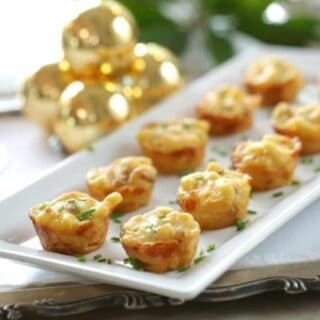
x=18 y=240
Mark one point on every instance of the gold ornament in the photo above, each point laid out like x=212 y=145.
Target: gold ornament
x=155 y=73
x=87 y=111
x=101 y=38
x=42 y=91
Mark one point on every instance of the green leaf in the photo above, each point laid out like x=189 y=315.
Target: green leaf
x=220 y=47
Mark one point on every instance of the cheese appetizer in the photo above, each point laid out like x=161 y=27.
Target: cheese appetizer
x=161 y=240
x=274 y=79
x=228 y=110
x=133 y=177
x=73 y=223
x=216 y=198
x=270 y=162
x=299 y=121
x=175 y=146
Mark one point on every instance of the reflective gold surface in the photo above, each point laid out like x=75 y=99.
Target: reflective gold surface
x=100 y=39
x=155 y=73
x=42 y=90
x=87 y=111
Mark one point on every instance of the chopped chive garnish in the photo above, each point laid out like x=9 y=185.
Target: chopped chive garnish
x=219 y=151
x=211 y=247
x=199 y=259
x=116 y=216
x=115 y=239
x=85 y=215
x=89 y=148
x=135 y=264
x=162 y=216
x=185 y=173
x=251 y=194
x=278 y=194
x=109 y=261
x=80 y=258
x=212 y=160
x=306 y=160
x=183 y=269
x=251 y=211
x=172 y=202
x=221 y=171
x=97 y=257
x=295 y=182
x=186 y=126
x=43 y=206
x=317 y=169
x=199 y=178
x=102 y=260
x=241 y=224
x=61 y=209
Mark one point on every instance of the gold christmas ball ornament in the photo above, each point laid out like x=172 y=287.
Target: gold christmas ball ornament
x=87 y=111
x=42 y=90
x=100 y=39
x=155 y=73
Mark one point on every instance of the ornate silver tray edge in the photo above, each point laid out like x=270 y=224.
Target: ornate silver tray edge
x=133 y=300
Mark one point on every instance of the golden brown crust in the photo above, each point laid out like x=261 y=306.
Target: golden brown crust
x=228 y=110
x=270 y=162
x=161 y=240
x=299 y=121
x=132 y=177
x=274 y=79
x=73 y=223
x=217 y=198
x=175 y=146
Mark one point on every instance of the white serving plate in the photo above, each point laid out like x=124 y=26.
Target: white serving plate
x=19 y=242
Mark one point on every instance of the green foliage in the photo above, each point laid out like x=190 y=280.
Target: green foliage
x=247 y=15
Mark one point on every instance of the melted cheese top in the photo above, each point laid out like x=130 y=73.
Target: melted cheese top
x=272 y=150
x=173 y=135
x=228 y=101
x=71 y=210
x=161 y=224
x=134 y=171
x=301 y=119
x=214 y=184
x=270 y=70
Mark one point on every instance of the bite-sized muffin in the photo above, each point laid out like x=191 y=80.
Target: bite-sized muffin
x=133 y=177
x=274 y=79
x=270 y=162
x=228 y=110
x=73 y=223
x=161 y=240
x=301 y=121
x=216 y=198
x=175 y=146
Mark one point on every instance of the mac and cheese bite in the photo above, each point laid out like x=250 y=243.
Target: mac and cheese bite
x=302 y=121
x=133 y=177
x=161 y=240
x=175 y=146
x=217 y=197
x=270 y=162
x=228 y=110
x=73 y=223
x=274 y=79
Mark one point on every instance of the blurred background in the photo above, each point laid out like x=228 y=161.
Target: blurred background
x=202 y=32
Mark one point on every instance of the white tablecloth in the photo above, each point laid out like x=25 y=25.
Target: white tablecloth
x=29 y=155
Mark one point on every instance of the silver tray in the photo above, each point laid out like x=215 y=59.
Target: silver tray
x=47 y=301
